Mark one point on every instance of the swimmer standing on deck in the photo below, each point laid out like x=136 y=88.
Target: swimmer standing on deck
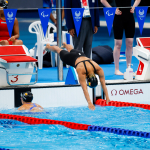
x=26 y=99
x=85 y=67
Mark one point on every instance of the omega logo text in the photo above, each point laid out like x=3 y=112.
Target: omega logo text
x=126 y=92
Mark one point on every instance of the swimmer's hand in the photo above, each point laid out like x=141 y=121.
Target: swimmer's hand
x=91 y=106
x=107 y=101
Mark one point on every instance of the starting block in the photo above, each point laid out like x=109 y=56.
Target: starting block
x=16 y=66
x=142 y=53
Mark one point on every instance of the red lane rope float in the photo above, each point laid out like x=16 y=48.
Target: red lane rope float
x=32 y=120
x=102 y=102
x=77 y=126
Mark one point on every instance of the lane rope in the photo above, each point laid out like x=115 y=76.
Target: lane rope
x=76 y=126
x=102 y=102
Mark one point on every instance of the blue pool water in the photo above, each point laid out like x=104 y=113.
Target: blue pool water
x=20 y=136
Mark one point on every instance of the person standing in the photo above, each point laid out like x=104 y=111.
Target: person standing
x=124 y=20
x=53 y=16
x=89 y=25
x=5 y=39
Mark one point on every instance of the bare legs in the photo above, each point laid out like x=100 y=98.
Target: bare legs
x=129 y=47
x=16 y=42
x=67 y=46
x=4 y=42
x=57 y=49
x=116 y=53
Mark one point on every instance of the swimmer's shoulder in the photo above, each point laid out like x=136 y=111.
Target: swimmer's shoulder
x=81 y=71
x=39 y=106
x=21 y=108
x=25 y=107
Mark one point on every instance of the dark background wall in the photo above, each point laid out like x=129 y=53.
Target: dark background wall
x=39 y=3
x=25 y=4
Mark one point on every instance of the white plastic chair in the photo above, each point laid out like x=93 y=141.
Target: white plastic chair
x=42 y=40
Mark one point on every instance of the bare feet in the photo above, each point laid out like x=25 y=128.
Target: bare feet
x=67 y=46
x=63 y=45
x=48 y=47
x=117 y=72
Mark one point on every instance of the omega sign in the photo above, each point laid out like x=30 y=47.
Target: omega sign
x=126 y=92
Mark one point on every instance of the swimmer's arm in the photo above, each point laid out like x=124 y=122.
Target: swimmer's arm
x=15 y=34
x=82 y=80
x=16 y=29
x=100 y=73
x=39 y=106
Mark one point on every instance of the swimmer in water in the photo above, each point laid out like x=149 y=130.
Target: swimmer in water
x=26 y=99
x=85 y=67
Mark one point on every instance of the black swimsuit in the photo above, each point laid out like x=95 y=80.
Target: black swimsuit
x=70 y=58
x=125 y=21
x=85 y=65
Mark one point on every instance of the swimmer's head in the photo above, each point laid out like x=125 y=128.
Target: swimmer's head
x=4 y=4
x=27 y=96
x=92 y=81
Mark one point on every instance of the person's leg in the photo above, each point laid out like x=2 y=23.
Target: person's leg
x=87 y=47
x=129 y=47
x=79 y=40
x=67 y=46
x=116 y=54
x=55 y=49
x=17 y=42
x=4 y=42
x=118 y=28
x=129 y=32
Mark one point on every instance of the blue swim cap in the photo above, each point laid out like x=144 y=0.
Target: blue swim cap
x=27 y=96
x=92 y=81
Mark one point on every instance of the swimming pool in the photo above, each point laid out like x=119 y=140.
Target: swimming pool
x=17 y=135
